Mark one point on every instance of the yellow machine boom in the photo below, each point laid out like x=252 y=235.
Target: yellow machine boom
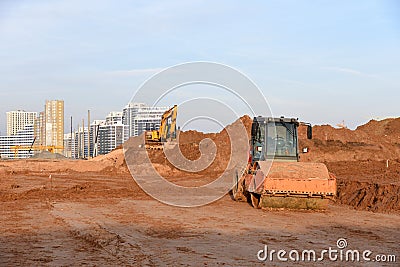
x=167 y=129
x=51 y=149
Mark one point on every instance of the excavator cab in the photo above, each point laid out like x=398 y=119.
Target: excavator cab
x=275 y=138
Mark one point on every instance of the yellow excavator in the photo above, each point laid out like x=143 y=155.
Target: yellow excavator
x=168 y=131
x=274 y=177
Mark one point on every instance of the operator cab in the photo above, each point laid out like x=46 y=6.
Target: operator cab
x=275 y=138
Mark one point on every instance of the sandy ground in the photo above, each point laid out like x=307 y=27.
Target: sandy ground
x=91 y=212
x=104 y=219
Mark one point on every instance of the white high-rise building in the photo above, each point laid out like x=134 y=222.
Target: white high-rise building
x=17 y=146
x=69 y=145
x=114 y=117
x=76 y=144
x=139 y=117
x=105 y=135
x=94 y=133
x=112 y=133
x=17 y=120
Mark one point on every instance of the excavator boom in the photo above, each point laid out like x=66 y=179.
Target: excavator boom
x=154 y=139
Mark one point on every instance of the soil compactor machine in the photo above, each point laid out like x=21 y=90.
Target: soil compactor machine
x=274 y=177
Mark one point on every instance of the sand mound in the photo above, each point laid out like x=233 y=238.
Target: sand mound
x=112 y=162
x=376 y=140
x=48 y=155
x=357 y=157
x=389 y=128
x=189 y=145
x=368 y=185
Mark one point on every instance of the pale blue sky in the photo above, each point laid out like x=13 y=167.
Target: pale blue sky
x=321 y=61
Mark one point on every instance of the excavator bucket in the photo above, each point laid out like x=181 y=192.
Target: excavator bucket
x=293 y=185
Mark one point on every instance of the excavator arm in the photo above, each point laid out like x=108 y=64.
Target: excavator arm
x=168 y=130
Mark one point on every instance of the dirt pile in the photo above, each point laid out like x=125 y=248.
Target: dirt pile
x=376 y=140
x=357 y=157
x=369 y=196
x=365 y=161
x=189 y=144
x=368 y=185
x=48 y=155
x=113 y=161
x=388 y=129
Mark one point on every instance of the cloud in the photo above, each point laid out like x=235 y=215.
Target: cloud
x=349 y=71
x=134 y=72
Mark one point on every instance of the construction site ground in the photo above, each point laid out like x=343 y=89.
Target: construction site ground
x=61 y=212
